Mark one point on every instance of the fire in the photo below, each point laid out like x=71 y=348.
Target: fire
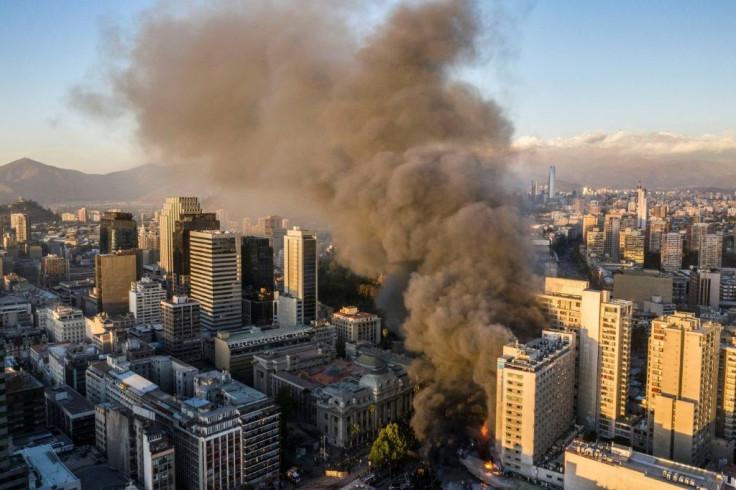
x=488 y=465
x=484 y=432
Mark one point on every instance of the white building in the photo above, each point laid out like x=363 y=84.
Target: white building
x=534 y=399
x=63 y=323
x=710 y=251
x=216 y=278
x=353 y=325
x=145 y=297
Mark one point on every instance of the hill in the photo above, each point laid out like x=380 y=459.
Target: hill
x=36 y=212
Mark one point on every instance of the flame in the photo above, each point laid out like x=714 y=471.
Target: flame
x=484 y=432
x=488 y=465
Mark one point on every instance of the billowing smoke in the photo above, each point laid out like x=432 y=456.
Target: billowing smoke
x=408 y=166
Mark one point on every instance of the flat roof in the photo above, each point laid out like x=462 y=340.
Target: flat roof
x=53 y=472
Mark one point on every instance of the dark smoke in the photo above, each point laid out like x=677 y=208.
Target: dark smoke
x=408 y=166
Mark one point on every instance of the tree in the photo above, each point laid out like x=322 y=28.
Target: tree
x=389 y=447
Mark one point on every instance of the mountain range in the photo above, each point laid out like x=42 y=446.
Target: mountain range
x=51 y=185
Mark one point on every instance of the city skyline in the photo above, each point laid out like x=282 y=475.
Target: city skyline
x=643 y=78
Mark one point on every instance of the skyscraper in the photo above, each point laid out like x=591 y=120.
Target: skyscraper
x=257 y=270
x=215 y=278
x=12 y=474
x=682 y=387
x=552 y=187
x=711 y=251
x=615 y=350
x=118 y=231
x=181 y=248
x=174 y=207
x=182 y=334
x=113 y=275
x=298 y=304
x=22 y=226
x=670 y=252
x=642 y=212
x=611 y=228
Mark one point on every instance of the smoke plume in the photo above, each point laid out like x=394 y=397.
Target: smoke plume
x=408 y=166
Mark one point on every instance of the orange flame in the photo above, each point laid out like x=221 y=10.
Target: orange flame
x=484 y=432
x=488 y=465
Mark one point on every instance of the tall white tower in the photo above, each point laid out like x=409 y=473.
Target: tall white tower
x=642 y=212
x=552 y=187
x=298 y=304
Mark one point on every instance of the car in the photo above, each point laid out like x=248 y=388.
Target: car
x=294 y=475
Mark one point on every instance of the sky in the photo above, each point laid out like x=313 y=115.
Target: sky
x=564 y=69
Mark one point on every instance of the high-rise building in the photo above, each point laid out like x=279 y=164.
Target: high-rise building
x=182 y=333
x=633 y=247
x=54 y=269
x=552 y=186
x=682 y=386
x=145 y=297
x=642 y=212
x=534 y=399
x=694 y=232
x=63 y=323
x=710 y=251
x=595 y=245
x=12 y=475
x=704 y=290
x=590 y=221
x=298 y=304
x=247 y=227
x=611 y=228
x=670 y=252
x=216 y=278
x=615 y=351
x=22 y=226
x=174 y=207
x=257 y=270
x=726 y=406
x=570 y=305
x=113 y=275
x=655 y=230
x=182 y=254
x=82 y=215
x=118 y=231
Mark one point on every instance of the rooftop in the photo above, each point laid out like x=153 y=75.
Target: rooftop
x=52 y=471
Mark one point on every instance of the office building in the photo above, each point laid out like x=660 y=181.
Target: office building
x=671 y=252
x=216 y=279
x=182 y=332
x=633 y=247
x=118 y=231
x=174 y=207
x=21 y=224
x=63 y=323
x=25 y=403
x=291 y=359
x=258 y=281
x=590 y=466
x=552 y=186
x=534 y=399
x=113 y=275
x=615 y=352
x=68 y=364
x=694 y=233
x=642 y=211
x=54 y=270
x=590 y=221
x=13 y=472
x=72 y=414
x=144 y=298
x=187 y=223
x=655 y=230
x=682 y=380
x=298 y=304
x=710 y=251
x=704 y=289
x=595 y=245
x=353 y=325
x=611 y=229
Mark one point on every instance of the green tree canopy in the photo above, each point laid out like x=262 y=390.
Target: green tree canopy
x=389 y=446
